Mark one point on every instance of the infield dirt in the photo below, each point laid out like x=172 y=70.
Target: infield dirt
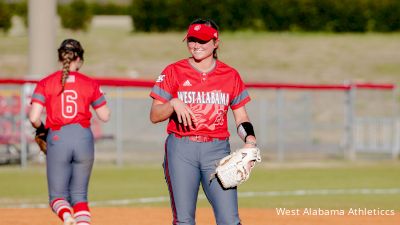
x=158 y=216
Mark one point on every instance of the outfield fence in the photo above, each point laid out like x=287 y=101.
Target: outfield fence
x=292 y=122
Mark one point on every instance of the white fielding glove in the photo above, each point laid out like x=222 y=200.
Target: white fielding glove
x=234 y=169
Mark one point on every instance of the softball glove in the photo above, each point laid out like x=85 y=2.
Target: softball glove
x=40 y=138
x=235 y=168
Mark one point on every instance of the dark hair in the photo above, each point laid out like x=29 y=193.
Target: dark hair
x=210 y=23
x=68 y=51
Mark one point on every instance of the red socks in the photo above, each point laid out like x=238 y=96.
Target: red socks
x=60 y=206
x=82 y=213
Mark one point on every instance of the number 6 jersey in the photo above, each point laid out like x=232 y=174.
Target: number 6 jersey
x=73 y=104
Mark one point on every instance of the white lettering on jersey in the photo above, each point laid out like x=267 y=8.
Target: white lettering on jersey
x=160 y=78
x=201 y=97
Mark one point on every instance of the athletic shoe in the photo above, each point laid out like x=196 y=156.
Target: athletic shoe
x=70 y=221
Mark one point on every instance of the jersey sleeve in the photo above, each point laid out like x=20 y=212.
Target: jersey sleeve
x=98 y=97
x=240 y=94
x=165 y=87
x=38 y=95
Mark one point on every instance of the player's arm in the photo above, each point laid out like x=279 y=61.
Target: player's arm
x=243 y=124
x=161 y=111
x=34 y=114
x=245 y=130
x=99 y=103
x=41 y=130
x=103 y=113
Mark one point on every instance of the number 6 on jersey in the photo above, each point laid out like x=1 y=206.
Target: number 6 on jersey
x=68 y=104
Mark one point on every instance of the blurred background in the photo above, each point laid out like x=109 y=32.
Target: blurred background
x=323 y=76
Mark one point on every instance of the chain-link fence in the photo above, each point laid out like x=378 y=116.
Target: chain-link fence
x=292 y=122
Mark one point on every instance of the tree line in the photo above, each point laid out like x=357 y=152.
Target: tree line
x=231 y=15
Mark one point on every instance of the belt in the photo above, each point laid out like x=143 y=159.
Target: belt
x=199 y=138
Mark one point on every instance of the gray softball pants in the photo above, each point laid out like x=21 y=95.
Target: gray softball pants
x=70 y=157
x=186 y=165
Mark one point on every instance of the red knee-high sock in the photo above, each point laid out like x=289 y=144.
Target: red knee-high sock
x=82 y=213
x=60 y=206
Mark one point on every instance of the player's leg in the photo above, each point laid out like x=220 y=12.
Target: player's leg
x=59 y=170
x=182 y=175
x=82 y=214
x=81 y=171
x=223 y=201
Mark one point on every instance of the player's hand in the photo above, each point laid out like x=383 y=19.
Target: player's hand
x=183 y=112
x=250 y=144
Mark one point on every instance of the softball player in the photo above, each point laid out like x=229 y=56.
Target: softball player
x=195 y=94
x=67 y=96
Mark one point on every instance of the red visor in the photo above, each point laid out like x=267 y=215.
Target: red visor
x=202 y=32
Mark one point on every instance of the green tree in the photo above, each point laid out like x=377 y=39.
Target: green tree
x=5 y=16
x=385 y=15
x=21 y=9
x=151 y=15
x=76 y=16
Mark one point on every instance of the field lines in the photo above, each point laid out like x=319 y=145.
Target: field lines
x=317 y=192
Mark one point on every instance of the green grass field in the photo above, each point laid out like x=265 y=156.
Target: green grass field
x=336 y=186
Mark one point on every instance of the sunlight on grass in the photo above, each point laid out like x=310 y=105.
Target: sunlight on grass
x=135 y=182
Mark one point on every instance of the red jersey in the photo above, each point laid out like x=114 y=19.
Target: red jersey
x=71 y=105
x=207 y=94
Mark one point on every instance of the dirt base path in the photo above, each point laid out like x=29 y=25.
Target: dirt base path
x=162 y=216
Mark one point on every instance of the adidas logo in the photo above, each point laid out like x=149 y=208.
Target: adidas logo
x=187 y=83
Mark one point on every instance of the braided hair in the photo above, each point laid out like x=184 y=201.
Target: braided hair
x=68 y=51
x=210 y=23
